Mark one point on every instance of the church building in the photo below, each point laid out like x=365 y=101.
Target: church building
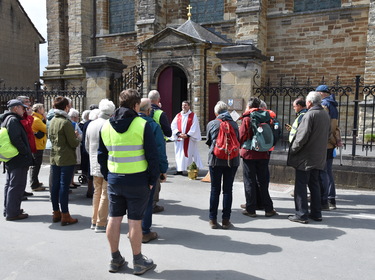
x=206 y=50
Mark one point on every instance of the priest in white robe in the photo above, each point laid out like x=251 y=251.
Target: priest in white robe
x=186 y=133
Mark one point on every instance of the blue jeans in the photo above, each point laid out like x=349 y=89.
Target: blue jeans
x=61 y=178
x=256 y=175
x=216 y=173
x=331 y=180
x=147 y=218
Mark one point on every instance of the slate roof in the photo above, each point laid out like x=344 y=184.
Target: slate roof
x=196 y=31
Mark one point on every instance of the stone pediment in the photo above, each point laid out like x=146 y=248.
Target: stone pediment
x=186 y=34
x=173 y=40
x=169 y=37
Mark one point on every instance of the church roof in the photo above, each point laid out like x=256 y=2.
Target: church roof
x=197 y=31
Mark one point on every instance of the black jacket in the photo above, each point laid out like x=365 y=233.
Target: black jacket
x=18 y=137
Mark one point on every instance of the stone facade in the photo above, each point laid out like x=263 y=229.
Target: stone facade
x=19 y=47
x=311 y=44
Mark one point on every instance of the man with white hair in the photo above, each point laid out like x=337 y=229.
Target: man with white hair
x=161 y=119
x=144 y=112
x=307 y=154
x=100 y=197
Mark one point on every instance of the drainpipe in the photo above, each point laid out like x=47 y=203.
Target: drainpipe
x=205 y=83
x=94 y=28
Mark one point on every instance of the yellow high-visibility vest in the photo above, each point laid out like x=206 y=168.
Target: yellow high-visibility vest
x=156 y=117
x=125 y=150
x=294 y=127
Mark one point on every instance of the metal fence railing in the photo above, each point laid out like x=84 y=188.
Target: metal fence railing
x=45 y=96
x=356 y=108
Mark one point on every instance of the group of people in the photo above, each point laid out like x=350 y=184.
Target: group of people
x=127 y=172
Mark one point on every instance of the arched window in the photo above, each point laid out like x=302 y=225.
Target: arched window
x=207 y=11
x=121 y=16
x=312 y=5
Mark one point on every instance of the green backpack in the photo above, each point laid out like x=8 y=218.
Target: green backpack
x=263 y=139
x=7 y=150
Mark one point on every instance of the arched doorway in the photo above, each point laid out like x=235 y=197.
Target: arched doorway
x=172 y=86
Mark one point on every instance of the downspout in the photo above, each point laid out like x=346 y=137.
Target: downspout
x=205 y=84
x=94 y=28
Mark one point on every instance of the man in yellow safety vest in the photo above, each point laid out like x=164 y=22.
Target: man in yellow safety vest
x=130 y=165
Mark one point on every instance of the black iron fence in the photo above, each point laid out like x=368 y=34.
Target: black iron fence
x=133 y=79
x=356 y=107
x=44 y=96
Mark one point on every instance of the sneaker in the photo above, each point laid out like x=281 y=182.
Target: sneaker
x=93 y=226
x=271 y=213
x=99 y=229
x=331 y=206
x=142 y=265
x=157 y=209
x=252 y=215
x=243 y=206
x=213 y=224
x=294 y=218
x=149 y=236
x=226 y=224
x=39 y=189
x=116 y=264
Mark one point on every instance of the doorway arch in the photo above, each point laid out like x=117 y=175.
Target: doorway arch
x=172 y=86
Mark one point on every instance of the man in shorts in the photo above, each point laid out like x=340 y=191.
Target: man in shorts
x=130 y=165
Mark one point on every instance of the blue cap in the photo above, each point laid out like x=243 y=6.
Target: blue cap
x=15 y=102
x=322 y=88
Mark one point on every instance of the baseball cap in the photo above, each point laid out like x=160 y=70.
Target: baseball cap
x=322 y=88
x=15 y=102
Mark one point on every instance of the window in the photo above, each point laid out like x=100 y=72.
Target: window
x=204 y=11
x=121 y=16
x=312 y=5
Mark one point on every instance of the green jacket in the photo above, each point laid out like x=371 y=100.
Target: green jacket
x=63 y=139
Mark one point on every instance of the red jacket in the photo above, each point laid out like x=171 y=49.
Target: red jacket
x=27 y=122
x=247 y=133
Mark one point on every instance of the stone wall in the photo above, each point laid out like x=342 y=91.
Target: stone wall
x=19 y=47
x=325 y=43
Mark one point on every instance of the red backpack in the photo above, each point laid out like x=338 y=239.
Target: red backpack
x=227 y=145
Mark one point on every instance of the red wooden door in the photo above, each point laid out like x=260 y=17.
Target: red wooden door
x=165 y=88
x=213 y=98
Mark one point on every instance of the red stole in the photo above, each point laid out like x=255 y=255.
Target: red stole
x=188 y=126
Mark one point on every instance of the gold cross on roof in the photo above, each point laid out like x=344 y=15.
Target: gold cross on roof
x=189 y=13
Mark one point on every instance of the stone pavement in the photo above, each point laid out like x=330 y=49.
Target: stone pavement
x=340 y=247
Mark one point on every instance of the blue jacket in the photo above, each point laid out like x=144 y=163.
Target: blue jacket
x=330 y=104
x=159 y=138
x=120 y=122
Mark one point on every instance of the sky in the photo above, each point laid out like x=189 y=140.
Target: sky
x=36 y=10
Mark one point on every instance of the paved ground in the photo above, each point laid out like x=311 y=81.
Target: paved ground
x=340 y=247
